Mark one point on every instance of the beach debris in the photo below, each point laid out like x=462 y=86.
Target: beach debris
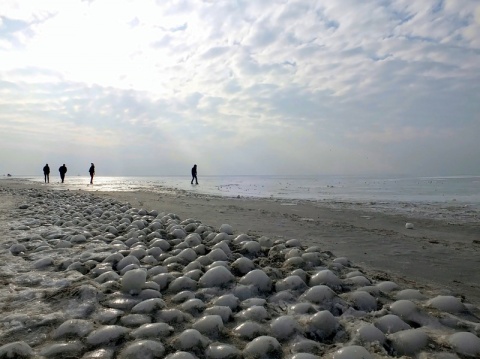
x=109 y=280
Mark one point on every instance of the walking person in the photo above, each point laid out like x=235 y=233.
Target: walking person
x=62 y=170
x=46 y=173
x=92 y=172
x=194 y=174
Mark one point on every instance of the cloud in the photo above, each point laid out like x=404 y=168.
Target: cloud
x=249 y=87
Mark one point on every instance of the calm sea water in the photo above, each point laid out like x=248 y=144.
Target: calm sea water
x=451 y=198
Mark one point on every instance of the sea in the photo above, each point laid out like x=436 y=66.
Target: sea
x=455 y=199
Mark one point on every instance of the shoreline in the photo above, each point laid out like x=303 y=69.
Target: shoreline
x=435 y=254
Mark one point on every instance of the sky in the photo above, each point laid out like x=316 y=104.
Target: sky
x=344 y=87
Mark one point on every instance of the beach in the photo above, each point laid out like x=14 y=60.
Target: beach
x=425 y=276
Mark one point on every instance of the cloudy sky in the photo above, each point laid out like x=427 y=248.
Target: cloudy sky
x=240 y=87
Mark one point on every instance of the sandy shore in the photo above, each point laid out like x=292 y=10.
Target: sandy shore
x=138 y=275
x=435 y=254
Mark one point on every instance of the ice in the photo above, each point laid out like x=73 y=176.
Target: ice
x=217 y=254
x=106 y=334
x=73 y=327
x=447 y=303
x=404 y=308
x=408 y=342
x=222 y=351
x=257 y=278
x=228 y=300
x=284 y=327
x=188 y=254
x=133 y=281
x=391 y=323
x=63 y=350
x=363 y=301
x=368 y=333
x=152 y=330
x=323 y=324
x=465 y=343
x=143 y=349
x=210 y=325
x=243 y=265
x=263 y=347
x=254 y=312
x=352 y=352
x=190 y=339
x=249 y=330
x=181 y=355
x=226 y=228
x=319 y=294
x=16 y=350
x=193 y=306
x=326 y=277
x=223 y=311
x=216 y=277
x=251 y=248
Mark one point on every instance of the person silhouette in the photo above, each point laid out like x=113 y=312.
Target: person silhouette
x=194 y=174
x=62 y=170
x=92 y=172
x=46 y=173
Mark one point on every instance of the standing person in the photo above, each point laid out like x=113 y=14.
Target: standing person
x=92 y=172
x=46 y=173
x=194 y=174
x=62 y=170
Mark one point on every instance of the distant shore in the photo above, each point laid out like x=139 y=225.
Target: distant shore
x=434 y=255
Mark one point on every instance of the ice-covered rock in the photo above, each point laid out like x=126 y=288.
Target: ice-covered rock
x=326 y=277
x=106 y=334
x=71 y=349
x=228 y=300
x=133 y=281
x=209 y=325
x=263 y=347
x=222 y=351
x=243 y=265
x=73 y=327
x=17 y=350
x=409 y=342
x=143 y=349
x=216 y=277
x=363 y=301
x=447 y=303
x=391 y=323
x=352 y=352
x=257 y=278
x=368 y=333
x=152 y=330
x=292 y=282
x=249 y=330
x=226 y=228
x=465 y=343
x=284 y=327
x=322 y=324
x=190 y=339
x=319 y=294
